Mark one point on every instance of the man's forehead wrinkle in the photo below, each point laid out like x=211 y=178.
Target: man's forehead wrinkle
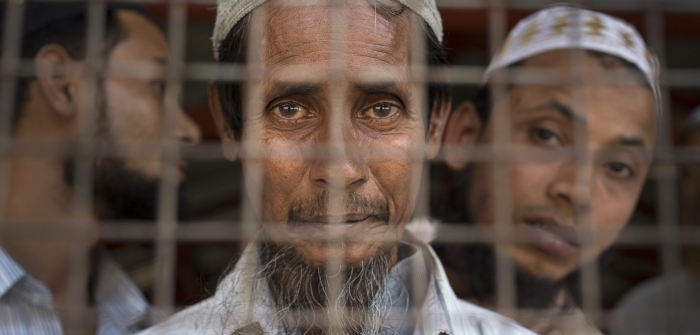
x=300 y=31
x=356 y=55
x=288 y=27
x=315 y=73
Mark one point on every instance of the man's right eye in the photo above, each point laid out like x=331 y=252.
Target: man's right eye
x=545 y=136
x=291 y=111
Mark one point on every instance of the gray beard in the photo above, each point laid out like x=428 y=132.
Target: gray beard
x=301 y=294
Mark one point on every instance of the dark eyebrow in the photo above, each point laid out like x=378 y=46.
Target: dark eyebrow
x=567 y=112
x=162 y=61
x=630 y=141
x=380 y=88
x=634 y=143
x=283 y=89
x=386 y=88
x=562 y=109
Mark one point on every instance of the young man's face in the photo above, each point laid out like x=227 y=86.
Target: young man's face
x=554 y=196
x=135 y=108
x=340 y=127
x=132 y=114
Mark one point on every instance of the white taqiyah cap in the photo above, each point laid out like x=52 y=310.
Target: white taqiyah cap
x=229 y=12
x=567 y=27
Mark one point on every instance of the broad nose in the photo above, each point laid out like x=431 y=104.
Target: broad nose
x=572 y=185
x=338 y=162
x=187 y=131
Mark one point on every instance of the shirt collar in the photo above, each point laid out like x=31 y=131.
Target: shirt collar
x=401 y=283
x=10 y=273
x=118 y=300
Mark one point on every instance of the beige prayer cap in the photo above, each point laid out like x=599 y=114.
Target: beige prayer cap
x=567 y=27
x=229 y=12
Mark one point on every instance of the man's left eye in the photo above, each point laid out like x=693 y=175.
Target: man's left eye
x=546 y=137
x=291 y=111
x=381 y=110
x=620 y=170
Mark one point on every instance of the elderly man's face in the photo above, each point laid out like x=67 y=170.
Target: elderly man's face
x=340 y=127
x=551 y=198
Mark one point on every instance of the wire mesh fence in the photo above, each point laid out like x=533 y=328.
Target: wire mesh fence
x=211 y=199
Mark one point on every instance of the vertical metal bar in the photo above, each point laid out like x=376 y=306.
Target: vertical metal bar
x=83 y=218
x=335 y=149
x=250 y=148
x=166 y=243
x=669 y=230
x=500 y=119
x=9 y=73
x=419 y=76
x=590 y=276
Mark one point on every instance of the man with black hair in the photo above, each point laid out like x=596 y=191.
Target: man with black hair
x=592 y=87
x=37 y=276
x=332 y=129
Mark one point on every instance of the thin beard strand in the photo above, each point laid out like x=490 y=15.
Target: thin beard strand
x=296 y=286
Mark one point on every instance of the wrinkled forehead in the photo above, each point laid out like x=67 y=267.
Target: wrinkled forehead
x=349 y=33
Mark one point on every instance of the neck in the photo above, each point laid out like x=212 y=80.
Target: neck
x=39 y=200
x=539 y=298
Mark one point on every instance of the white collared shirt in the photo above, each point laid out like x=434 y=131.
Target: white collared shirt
x=242 y=303
x=26 y=305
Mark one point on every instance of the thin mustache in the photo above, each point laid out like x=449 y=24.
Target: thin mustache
x=352 y=204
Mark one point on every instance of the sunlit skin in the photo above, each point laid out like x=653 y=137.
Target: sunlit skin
x=558 y=194
x=370 y=116
x=52 y=112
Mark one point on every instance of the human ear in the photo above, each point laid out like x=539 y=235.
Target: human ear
x=438 y=118
x=54 y=66
x=228 y=138
x=462 y=130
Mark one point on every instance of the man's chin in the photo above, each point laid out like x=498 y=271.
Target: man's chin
x=544 y=268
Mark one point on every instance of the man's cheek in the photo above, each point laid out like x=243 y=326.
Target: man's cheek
x=609 y=218
x=280 y=178
x=529 y=182
x=133 y=114
x=391 y=178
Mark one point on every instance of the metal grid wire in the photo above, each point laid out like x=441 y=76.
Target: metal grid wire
x=668 y=235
